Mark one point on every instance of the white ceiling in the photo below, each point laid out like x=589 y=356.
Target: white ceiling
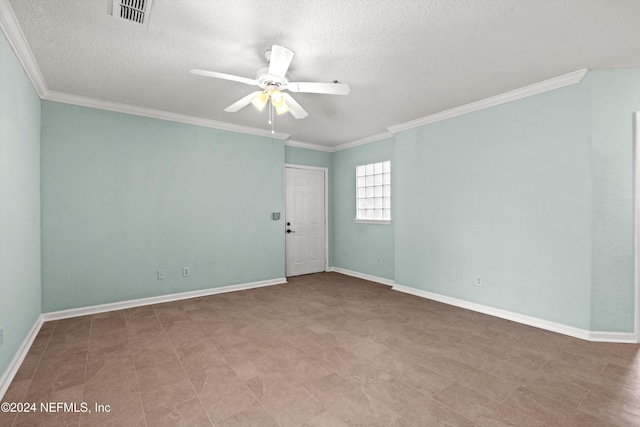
x=403 y=59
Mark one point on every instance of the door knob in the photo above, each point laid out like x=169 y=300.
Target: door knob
x=290 y=231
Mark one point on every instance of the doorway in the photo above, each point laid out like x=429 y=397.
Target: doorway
x=306 y=220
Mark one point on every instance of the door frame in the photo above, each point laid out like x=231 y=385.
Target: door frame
x=326 y=208
x=636 y=221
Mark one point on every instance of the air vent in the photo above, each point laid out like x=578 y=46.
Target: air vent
x=132 y=10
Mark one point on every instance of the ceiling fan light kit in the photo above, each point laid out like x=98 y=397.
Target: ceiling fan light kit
x=273 y=80
x=260 y=101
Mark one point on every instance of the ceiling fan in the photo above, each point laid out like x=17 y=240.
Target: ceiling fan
x=273 y=80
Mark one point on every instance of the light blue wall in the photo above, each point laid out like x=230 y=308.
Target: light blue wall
x=504 y=193
x=303 y=156
x=357 y=247
x=124 y=196
x=535 y=195
x=616 y=96
x=19 y=204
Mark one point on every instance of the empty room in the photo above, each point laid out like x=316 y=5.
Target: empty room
x=319 y=213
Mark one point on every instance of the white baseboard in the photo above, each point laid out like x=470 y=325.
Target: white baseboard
x=15 y=363
x=584 y=334
x=102 y=308
x=621 y=337
x=364 y=276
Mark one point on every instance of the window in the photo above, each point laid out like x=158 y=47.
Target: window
x=373 y=192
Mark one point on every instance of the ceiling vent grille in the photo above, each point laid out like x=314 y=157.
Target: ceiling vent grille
x=132 y=10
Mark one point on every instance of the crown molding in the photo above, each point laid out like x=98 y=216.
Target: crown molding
x=534 y=89
x=11 y=29
x=362 y=141
x=308 y=145
x=158 y=114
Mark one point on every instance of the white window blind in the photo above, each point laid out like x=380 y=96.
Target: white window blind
x=373 y=192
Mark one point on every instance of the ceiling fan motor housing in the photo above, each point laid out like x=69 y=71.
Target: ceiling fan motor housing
x=265 y=79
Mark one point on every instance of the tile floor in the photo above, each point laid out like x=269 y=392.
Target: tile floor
x=322 y=350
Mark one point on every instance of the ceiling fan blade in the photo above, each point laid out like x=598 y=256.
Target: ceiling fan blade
x=326 y=88
x=280 y=60
x=242 y=103
x=294 y=108
x=224 y=76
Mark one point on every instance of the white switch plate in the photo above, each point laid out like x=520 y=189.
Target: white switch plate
x=160 y=274
x=478 y=280
x=186 y=271
x=454 y=276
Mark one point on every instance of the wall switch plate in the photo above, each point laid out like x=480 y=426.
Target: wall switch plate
x=160 y=274
x=478 y=280
x=453 y=276
x=379 y=261
x=1 y=334
x=186 y=272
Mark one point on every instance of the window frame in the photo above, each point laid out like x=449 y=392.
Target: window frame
x=386 y=170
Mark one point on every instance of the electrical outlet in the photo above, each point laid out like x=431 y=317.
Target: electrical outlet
x=160 y=274
x=186 y=272
x=478 y=280
x=453 y=276
x=1 y=334
x=378 y=260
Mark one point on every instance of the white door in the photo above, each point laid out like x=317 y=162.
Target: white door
x=305 y=221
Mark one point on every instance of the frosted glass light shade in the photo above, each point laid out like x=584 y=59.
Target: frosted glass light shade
x=260 y=101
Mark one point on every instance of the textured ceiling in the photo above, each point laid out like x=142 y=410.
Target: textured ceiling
x=403 y=59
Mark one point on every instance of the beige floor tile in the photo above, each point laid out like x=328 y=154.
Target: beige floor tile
x=411 y=373
x=124 y=410
x=110 y=378
x=339 y=360
x=323 y=349
x=55 y=415
x=221 y=404
x=370 y=413
x=157 y=375
x=491 y=386
x=214 y=379
x=252 y=417
x=199 y=354
x=28 y=367
x=140 y=327
x=541 y=381
x=150 y=350
x=550 y=411
x=333 y=389
x=290 y=405
x=483 y=410
x=612 y=410
x=189 y=413
x=166 y=395
x=182 y=331
x=414 y=406
x=57 y=374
